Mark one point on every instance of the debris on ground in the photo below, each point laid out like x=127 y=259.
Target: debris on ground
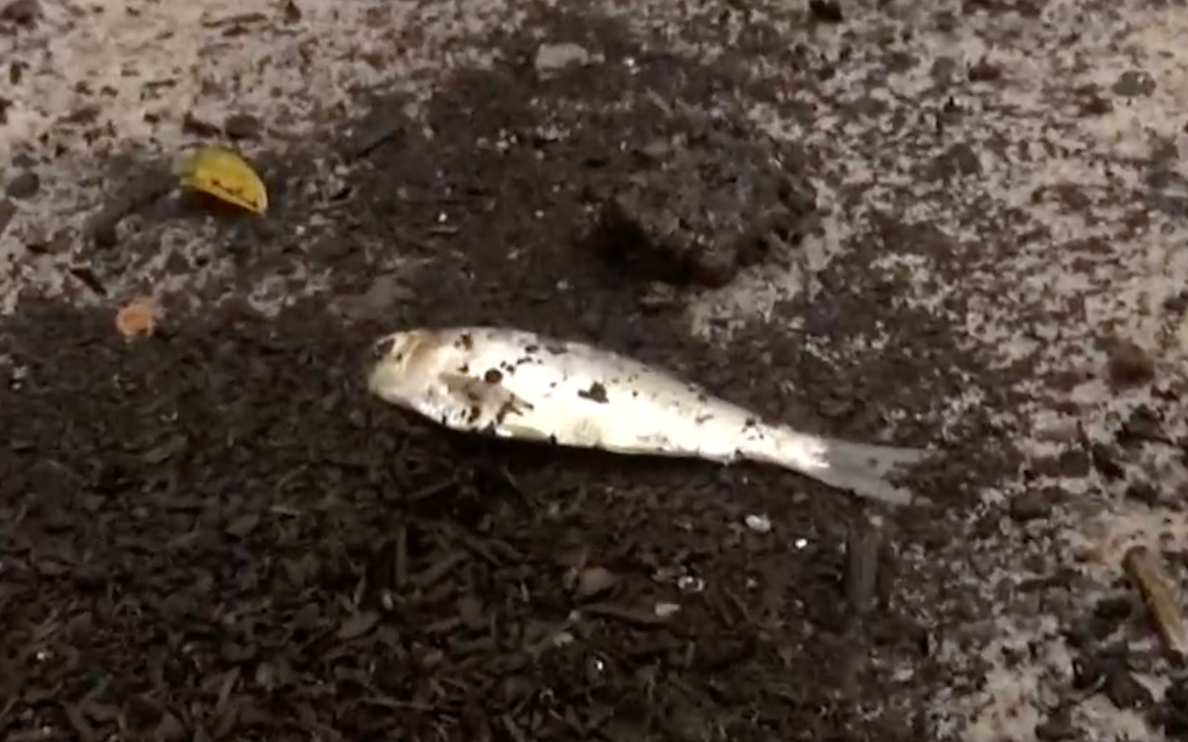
x=1129 y=365
x=138 y=317
x=701 y=205
x=227 y=176
x=1164 y=602
x=345 y=569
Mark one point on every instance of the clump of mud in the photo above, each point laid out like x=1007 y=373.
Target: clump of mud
x=698 y=207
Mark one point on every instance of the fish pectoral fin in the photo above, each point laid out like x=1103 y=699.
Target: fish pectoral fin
x=525 y=433
x=494 y=402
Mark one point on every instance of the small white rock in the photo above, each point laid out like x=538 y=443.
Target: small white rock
x=759 y=523
x=667 y=610
x=553 y=57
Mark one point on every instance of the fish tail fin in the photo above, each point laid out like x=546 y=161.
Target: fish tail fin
x=861 y=468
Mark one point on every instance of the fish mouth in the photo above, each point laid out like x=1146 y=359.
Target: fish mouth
x=381 y=349
x=389 y=362
x=397 y=347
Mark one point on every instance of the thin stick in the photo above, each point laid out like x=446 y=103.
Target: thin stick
x=1161 y=597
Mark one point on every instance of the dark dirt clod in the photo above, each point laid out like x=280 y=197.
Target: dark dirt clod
x=1134 y=84
x=826 y=11
x=1057 y=727
x=1143 y=491
x=1074 y=462
x=1129 y=365
x=1142 y=426
x=1125 y=691
x=242 y=126
x=1033 y=504
x=21 y=12
x=23 y=185
x=700 y=206
x=1107 y=461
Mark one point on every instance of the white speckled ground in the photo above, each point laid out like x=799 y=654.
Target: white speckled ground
x=1057 y=239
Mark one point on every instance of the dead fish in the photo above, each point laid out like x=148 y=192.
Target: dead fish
x=519 y=385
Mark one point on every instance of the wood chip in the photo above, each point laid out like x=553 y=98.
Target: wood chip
x=594 y=581
x=357 y=625
x=138 y=318
x=862 y=567
x=1161 y=597
x=628 y=614
x=79 y=724
x=242 y=526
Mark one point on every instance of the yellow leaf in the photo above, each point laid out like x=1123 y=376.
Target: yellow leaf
x=228 y=177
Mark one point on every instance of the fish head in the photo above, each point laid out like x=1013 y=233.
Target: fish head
x=398 y=369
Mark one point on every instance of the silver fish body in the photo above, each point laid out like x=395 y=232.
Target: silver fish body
x=519 y=385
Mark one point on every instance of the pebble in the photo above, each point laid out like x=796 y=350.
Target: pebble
x=554 y=57
x=242 y=126
x=1032 y=505
x=24 y=185
x=759 y=523
x=594 y=581
x=715 y=268
x=1134 y=84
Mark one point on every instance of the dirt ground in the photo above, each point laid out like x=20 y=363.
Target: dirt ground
x=215 y=533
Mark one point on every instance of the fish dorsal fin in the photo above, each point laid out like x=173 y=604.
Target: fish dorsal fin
x=481 y=405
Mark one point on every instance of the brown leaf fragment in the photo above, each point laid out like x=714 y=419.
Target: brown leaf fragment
x=138 y=318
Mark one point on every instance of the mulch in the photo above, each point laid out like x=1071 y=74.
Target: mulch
x=213 y=529
x=214 y=533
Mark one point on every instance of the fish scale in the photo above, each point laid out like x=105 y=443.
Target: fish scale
x=518 y=385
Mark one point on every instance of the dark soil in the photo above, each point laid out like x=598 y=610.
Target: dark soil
x=698 y=208
x=214 y=533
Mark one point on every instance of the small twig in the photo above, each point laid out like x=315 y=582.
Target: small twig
x=1161 y=598
x=393 y=703
x=626 y=614
x=431 y=490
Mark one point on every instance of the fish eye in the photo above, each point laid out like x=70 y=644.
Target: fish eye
x=382 y=348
